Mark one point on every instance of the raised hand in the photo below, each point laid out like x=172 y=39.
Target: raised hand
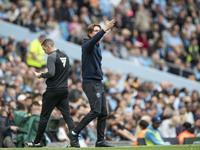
x=109 y=25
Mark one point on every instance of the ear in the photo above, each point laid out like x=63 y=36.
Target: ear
x=90 y=34
x=48 y=46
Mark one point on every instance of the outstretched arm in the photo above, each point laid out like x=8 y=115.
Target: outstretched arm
x=90 y=43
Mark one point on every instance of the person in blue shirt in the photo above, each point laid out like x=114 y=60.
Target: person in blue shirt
x=92 y=75
x=152 y=136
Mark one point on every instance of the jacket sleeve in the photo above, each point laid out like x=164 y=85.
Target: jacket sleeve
x=3 y=127
x=88 y=45
x=151 y=137
x=50 y=66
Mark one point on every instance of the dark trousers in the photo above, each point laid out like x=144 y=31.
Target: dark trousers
x=52 y=99
x=97 y=100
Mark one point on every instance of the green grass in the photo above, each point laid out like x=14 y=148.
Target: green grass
x=171 y=147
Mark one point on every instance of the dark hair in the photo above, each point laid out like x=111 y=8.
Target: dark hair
x=21 y=106
x=197 y=118
x=129 y=76
x=35 y=103
x=144 y=124
x=124 y=92
x=90 y=29
x=187 y=125
x=48 y=42
x=111 y=117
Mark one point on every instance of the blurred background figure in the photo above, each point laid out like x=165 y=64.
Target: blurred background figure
x=152 y=135
x=186 y=133
x=36 y=54
x=7 y=129
x=143 y=126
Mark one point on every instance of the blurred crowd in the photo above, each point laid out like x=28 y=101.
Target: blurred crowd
x=155 y=33
x=146 y=32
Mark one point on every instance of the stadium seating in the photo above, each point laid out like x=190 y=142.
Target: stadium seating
x=172 y=141
x=141 y=141
x=195 y=140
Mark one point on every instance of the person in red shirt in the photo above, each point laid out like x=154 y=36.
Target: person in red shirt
x=144 y=40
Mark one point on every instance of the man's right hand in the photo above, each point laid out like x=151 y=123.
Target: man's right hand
x=37 y=74
x=109 y=25
x=14 y=128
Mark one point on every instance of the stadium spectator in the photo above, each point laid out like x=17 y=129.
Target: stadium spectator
x=167 y=112
x=193 y=52
x=7 y=129
x=152 y=135
x=2 y=59
x=75 y=29
x=186 y=133
x=53 y=29
x=23 y=18
x=3 y=13
x=112 y=98
x=13 y=13
x=175 y=44
x=105 y=8
x=11 y=94
x=196 y=128
x=22 y=49
x=117 y=130
x=36 y=56
x=197 y=71
x=168 y=127
x=143 y=126
x=35 y=108
x=142 y=22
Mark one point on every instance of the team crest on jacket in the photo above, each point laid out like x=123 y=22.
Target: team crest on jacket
x=98 y=94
